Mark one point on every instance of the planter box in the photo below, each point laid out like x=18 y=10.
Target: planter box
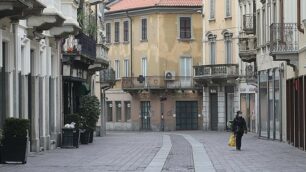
x=85 y=137
x=70 y=138
x=91 y=133
x=14 y=150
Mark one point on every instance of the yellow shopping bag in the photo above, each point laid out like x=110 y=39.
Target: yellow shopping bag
x=232 y=140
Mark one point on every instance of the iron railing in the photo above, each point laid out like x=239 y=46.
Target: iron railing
x=248 y=23
x=247 y=47
x=86 y=45
x=107 y=76
x=284 y=38
x=158 y=82
x=218 y=71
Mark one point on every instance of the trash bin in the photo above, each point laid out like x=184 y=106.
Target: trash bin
x=67 y=137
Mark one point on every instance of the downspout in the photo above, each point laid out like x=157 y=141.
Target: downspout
x=299 y=16
x=281 y=14
x=131 y=43
x=254 y=17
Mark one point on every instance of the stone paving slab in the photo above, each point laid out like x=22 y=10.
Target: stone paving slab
x=115 y=152
x=180 y=157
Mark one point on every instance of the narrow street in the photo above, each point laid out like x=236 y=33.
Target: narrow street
x=168 y=151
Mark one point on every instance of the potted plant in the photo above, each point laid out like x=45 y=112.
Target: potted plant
x=89 y=112
x=15 y=140
x=71 y=135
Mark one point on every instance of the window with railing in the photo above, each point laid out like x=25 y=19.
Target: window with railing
x=108 y=33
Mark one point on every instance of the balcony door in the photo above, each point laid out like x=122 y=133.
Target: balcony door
x=145 y=115
x=144 y=69
x=186 y=72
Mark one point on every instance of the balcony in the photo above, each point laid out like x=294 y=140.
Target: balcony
x=20 y=9
x=247 y=47
x=158 y=83
x=79 y=48
x=107 y=78
x=102 y=61
x=284 y=44
x=248 y=23
x=224 y=73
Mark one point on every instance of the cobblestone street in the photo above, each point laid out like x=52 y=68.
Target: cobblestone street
x=135 y=151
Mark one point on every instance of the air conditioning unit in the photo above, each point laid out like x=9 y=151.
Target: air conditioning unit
x=169 y=75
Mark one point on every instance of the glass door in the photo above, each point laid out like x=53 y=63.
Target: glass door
x=145 y=115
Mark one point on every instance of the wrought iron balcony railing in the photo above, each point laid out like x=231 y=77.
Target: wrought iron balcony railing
x=158 y=82
x=216 y=71
x=247 y=47
x=86 y=45
x=107 y=76
x=248 y=23
x=284 y=38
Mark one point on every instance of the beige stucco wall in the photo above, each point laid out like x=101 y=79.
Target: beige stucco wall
x=163 y=51
x=217 y=27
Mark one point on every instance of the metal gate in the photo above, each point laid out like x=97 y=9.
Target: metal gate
x=186 y=115
x=145 y=115
x=214 y=111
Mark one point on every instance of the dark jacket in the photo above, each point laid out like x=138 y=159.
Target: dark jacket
x=239 y=125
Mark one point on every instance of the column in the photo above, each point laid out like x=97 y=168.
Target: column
x=205 y=110
x=221 y=108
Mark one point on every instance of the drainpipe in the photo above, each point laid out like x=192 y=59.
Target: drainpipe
x=281 y=14
x=254 y=18
x=299 y=16
x=131 y=43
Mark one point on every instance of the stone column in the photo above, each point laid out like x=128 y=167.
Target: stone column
x=221 y=109
x=205 y=110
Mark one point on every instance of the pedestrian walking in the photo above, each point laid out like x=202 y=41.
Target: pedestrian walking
x=239 y=127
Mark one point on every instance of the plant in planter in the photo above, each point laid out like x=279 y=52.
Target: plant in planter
x=89 y=112
x=71 y=136
x=15 y=140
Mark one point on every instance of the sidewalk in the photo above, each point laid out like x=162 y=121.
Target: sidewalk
x=135 y=151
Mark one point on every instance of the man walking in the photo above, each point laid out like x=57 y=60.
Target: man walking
x=239 y=127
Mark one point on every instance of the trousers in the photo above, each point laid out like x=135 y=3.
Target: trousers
x=238 y=140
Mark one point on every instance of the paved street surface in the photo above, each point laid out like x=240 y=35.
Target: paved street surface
x=169 y=151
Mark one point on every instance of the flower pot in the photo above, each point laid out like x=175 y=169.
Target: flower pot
x=67 y=138
x=14 y=150
x=85 y=137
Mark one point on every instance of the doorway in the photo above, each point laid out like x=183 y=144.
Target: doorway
x=145 y=115
x=213 y=101
x=186 y=115
x=247 y=105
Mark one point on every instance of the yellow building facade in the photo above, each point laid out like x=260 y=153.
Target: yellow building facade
x=153 y=51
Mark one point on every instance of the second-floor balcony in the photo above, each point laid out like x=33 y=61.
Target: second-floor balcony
x=80 y=47
x=216 y=72
x=249 y=23
x=158 y=83
x=247 y=47
x=107 y=78
x=284 y=39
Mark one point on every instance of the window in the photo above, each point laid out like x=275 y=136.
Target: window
x=144 y=66
x=228 y=47
x=185 y=71
x=186 y=66
x=126 y=67
x=126 y=31
x=118 y=111
x=228 y=8
x=109 y=111
x=108 y=33
x=212 y=9
x=144 y=29
x=212 y=48
x=117 y=33
x=263 y=24
x=185 y=27
x=117 y=69
x=127 y=106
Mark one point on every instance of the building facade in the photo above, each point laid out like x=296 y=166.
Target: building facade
x=152 y=47
x=30 y=65
x=219 y=69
